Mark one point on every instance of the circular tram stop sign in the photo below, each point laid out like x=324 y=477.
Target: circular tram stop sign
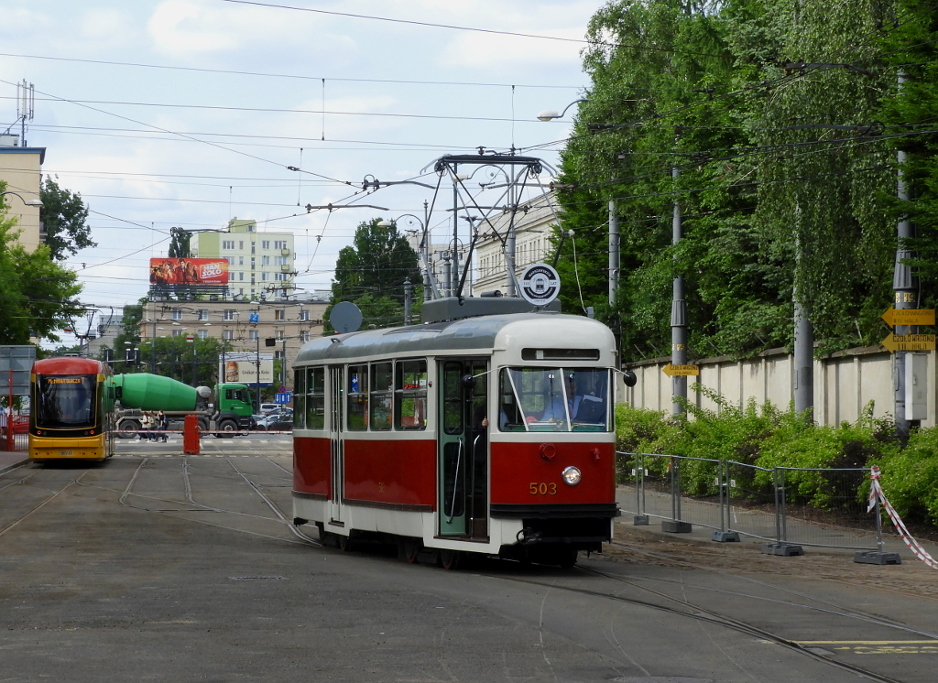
x=540 y=284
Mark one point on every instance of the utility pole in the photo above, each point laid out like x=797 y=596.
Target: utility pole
x=905 y=285
x=613 y=254
x=678 y=315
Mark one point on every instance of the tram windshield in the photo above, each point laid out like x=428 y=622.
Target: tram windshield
x=65 y=401
x=554 y=399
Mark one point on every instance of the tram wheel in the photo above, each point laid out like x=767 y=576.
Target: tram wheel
x=408 y=548
x=450 y=559
x=327 y=538
x=345 y=543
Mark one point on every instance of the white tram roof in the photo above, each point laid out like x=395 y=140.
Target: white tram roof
x=543 y=329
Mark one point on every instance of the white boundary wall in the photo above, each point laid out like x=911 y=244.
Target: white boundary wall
x=844 y=384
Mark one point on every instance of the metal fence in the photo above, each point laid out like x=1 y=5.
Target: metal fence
x=786 y=507
x=20 y=441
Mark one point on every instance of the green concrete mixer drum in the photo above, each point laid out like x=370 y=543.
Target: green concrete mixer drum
x=155 y=392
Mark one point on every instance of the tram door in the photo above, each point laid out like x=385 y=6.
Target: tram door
x=337 y=445
x=463 y=449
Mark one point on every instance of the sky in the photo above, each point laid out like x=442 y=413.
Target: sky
x=188 y=113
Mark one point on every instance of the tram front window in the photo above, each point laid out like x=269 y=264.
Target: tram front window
x=554 y=399
x=65 y=402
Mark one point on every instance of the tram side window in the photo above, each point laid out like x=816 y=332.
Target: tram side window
x=452 y=398
x=356 y=391
x=410 y=395
x=382 y=391
x=299 y=398
x=315 y=399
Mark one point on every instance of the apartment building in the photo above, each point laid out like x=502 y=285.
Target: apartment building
x=20 y=171
x=259 y=263
x=278 y=328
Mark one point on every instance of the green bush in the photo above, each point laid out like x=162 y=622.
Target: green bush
x=910 y=477
x=767 y=437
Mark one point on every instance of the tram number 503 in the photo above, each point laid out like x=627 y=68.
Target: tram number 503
x=542 y=489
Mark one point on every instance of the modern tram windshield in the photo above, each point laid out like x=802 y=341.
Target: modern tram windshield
x=554 y=399
x=65 y=401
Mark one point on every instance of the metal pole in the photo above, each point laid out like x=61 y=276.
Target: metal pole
x=10 y=444
x=803 y=356
x=408 y=300
x=257 y=365
x=678 y=317
x=613 y=253
x=510 y=243
x=906 y=290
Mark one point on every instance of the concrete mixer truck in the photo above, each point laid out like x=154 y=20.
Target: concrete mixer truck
x=225 y=411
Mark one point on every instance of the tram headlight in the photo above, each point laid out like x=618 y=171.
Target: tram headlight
x=572 y=475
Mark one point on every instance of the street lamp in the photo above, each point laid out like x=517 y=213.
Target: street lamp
x=27 y=202
x=550 y=114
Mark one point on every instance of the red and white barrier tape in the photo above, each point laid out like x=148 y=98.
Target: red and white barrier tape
x=876 y=494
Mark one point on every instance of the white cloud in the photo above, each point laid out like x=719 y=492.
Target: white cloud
x=106 y=25
x=191 y=28
x=505 y=53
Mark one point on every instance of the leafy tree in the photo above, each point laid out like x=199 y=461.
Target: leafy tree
x=36 y=294
x=757 y=118
x=179 y=243
x=820 y=163
x=910 y=46
x=371 y=274
x=191 y=362
x=64 y=216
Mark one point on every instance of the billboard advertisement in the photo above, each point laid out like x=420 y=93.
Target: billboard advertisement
x=242 y=368
x=188 y=271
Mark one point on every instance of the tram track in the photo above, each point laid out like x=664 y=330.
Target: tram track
x=684 y=609
x=279 y=515
x=834 y=608
x=7 y=526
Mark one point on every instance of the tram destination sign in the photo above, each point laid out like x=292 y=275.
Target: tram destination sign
x=909 y=342
x=909 y=316
x=680 y=370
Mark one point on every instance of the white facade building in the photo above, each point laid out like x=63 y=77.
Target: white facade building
x=534 y=222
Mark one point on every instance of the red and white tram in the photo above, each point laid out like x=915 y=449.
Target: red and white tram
x=490 y=434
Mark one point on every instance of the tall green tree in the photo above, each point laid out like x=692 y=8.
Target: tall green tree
x=758 y=119
x=64 y=217
x=36 y=294
x=372 y=271
x=179 y=243
x=819 y=159
x=910 y=47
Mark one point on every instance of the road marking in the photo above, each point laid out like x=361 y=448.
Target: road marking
x=877 y=647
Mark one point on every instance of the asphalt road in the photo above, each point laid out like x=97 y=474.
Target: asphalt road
x=160 y=567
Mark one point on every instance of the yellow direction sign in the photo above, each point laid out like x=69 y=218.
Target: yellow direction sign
x=909 y=342
x=909 y=316
x=680 y=370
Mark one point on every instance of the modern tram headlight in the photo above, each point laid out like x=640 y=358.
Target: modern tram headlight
x=572 y=475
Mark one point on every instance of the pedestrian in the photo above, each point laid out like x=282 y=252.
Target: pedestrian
x=147 y=424
x=161 y=424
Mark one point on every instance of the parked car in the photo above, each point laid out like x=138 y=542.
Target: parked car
x=280 y=421
x=268 y=408
x=20 y=424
